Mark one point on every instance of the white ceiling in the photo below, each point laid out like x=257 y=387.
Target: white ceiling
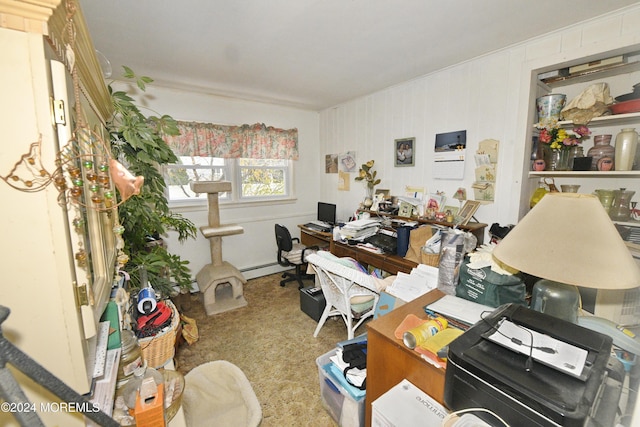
x=314 y=53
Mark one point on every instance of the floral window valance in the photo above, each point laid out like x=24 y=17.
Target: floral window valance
x=256 y=141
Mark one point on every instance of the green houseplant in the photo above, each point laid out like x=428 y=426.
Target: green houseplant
x=136 y=142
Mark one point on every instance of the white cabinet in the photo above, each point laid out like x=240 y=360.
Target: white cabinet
x=40 y=275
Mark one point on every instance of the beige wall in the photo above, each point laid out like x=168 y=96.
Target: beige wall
x=256 y=246
x=488 y=96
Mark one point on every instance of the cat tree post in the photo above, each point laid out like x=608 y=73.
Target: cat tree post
x=218 y=272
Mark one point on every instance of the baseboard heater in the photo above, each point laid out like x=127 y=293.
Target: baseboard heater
x=262 y=270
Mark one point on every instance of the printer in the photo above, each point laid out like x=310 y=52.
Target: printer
x=484 y=373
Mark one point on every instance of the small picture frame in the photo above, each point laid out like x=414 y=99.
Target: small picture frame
x=405 y=210
x=468 y=209
x=404 y=152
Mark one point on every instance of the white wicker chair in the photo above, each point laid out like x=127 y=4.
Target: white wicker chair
x=340 y=286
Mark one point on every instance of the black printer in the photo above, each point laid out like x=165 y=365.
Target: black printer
x=523 y=392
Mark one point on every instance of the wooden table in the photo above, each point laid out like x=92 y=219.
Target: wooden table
x=310 y=237
x=476 y=228
x=389 y=361
x=387 y=262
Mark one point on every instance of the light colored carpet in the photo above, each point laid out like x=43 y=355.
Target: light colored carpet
x=271 y=341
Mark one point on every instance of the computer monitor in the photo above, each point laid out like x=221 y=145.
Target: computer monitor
x=327 y=212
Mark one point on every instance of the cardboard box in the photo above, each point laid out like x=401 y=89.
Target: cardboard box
x=312 y=304
x=386 y=303
x=406 y=405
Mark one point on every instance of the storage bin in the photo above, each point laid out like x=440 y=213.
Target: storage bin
x=343 y=408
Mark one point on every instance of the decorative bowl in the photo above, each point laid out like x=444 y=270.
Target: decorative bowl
x=631 y=106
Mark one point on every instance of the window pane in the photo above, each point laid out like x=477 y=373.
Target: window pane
x=178 y=177
x=263 y=177
x=251 y=179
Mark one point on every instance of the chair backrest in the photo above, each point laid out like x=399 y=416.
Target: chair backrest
x=284 y=242
x=340 y=283
x=283 y=238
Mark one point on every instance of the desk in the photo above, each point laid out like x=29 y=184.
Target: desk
x=310 y=237
x=389 y=361
x=387 y=262
x=476 y=228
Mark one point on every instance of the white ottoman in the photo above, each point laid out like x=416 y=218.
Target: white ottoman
x=218 y=393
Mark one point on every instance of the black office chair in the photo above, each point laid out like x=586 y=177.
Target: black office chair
x=291 y=253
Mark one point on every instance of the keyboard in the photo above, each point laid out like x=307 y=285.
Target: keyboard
x=318 y=227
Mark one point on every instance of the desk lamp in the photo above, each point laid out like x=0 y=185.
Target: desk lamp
x=568 y=240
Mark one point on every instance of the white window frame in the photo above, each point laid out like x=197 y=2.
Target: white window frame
x=232 y=172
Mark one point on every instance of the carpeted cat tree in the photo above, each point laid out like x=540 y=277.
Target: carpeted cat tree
x=220 y=282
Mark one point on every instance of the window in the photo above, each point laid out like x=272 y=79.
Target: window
x=251 y=179
x=256 y=159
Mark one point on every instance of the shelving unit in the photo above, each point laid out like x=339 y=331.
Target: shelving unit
x=620 y=78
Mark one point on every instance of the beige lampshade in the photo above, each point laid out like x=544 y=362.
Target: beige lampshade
x=569 y=238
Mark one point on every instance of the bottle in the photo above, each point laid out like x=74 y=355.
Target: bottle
x=132 y=387
x=131 y=357
x=418 y=335
x=626 y=146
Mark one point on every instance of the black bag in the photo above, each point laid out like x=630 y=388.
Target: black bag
x=355 y=355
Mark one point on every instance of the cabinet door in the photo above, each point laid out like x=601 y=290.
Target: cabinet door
x=90 y=223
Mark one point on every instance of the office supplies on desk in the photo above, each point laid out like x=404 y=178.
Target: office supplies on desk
x=318 y=226
x=359 y=229
x=387 y=243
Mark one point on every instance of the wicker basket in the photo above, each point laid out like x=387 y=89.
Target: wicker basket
x=430 y=259
x=159 y=349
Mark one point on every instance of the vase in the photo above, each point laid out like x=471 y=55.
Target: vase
x=606 y=198
x=550 y=106
x=625 y=149
x=558 y=160
x=368 y=197
x=601 y=148
x=621 y=206
x=575 y=151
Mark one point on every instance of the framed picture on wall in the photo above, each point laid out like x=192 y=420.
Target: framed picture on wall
x=404 y=151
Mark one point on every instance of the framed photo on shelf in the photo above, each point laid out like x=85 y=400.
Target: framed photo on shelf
x=404 y=151
x=470 y=207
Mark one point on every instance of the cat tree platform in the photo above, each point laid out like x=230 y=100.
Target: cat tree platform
x=221 y=283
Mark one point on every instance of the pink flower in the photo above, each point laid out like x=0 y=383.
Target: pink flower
x=582 y=130
x=545 y=136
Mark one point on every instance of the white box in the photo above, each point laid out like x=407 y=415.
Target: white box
x=406 y=405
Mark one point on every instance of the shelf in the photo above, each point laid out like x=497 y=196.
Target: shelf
x=590 y=75
x=586 y=174
x=612 y=120
x=630 y=223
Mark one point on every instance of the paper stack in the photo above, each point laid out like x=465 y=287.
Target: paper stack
x=408 y=287
x=359 y=229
